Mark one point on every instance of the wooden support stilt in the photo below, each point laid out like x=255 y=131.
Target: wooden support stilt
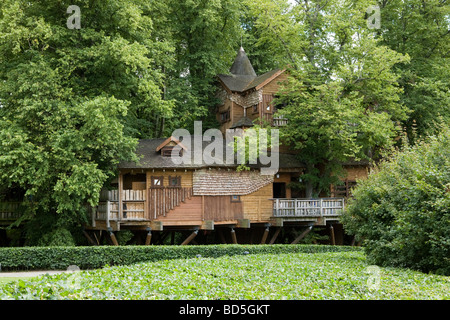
x=148 y=238
x=189 y=239
x=113 y=237
x=233 y=236
x=332 y=238
x=221 y=236
x=302 y=235
x=275 y=235
x=353 y=241
x=264 y=237
x=90 y=240
x=96 y=238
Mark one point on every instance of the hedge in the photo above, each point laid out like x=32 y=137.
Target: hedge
x=59 y=258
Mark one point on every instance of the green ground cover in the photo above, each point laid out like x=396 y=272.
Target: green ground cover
x=331 y=275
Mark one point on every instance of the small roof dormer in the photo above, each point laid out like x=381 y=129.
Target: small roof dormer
x=167 y=146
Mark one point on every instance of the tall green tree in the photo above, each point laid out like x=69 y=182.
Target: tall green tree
x=420 y=29
x=72 y=101
x=342 y=98
x=204 y=36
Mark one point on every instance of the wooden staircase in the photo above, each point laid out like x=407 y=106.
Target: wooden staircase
x=162 y=200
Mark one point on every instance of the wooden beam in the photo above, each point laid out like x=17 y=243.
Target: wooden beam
x=302 y=235
x=148 y=238
x=221 y=236
x=233 y=236
x=332 y=238
x=275 y=235
x=113 y=238
x=189 y=239
x=90 y=240
x=264 y=237
x=120 y=190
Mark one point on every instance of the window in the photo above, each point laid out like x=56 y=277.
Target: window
x=225 y=116
x=255 y=108
x=174 y=181
x=157 y=182
x=235 y=198
x=167 y=151
x=344 y=190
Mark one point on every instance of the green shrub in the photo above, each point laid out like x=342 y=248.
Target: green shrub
x=59 y=237
x=59 y=258
x=402 y=211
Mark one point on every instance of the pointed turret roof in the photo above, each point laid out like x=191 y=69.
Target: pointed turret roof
x=242 y=65
x=243 y=77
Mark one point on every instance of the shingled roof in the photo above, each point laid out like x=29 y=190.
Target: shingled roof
x=242 y=76
x=152 y=159
x=222 y=182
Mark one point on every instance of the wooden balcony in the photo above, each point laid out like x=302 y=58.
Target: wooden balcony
x=279 y=121
x=133 y=204
x=307 y=208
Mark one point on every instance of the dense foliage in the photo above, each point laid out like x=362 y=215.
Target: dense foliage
x=343 y=97
x=74 y=101
x=402 y=211
x=59 y=258
x=330 y=275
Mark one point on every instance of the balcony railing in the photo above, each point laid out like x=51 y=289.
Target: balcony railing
x=279 y=121
x=324 y=207
x=9 y=210
x=133 y=205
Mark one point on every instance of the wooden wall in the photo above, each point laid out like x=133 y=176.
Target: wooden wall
x=186 y=176
x=273 y=86
x=356 y=172
x=221 y=208
x=257 y=206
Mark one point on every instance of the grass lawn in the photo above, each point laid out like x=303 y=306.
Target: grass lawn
x=338 y=275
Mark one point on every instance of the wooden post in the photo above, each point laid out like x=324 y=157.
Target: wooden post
x=91 y=241
x=265 y=234
x=222 y=238
x=148 y=238
x=302 y=235
x=113 y=238
x=120 y=213
x=233 y=236
x=108 y=212
x=189 y=239
x=332 y=239
x=172 y=238
x=274 y=237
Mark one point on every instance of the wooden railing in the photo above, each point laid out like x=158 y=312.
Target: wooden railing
x=8 y=210
x=162 y=200
x=279 y=121
x=135 y=205
x=308 y=207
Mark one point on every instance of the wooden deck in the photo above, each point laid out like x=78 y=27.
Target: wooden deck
x=315 y=210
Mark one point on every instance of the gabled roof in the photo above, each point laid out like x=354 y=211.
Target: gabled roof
x=242 y=76
x=167 y=141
